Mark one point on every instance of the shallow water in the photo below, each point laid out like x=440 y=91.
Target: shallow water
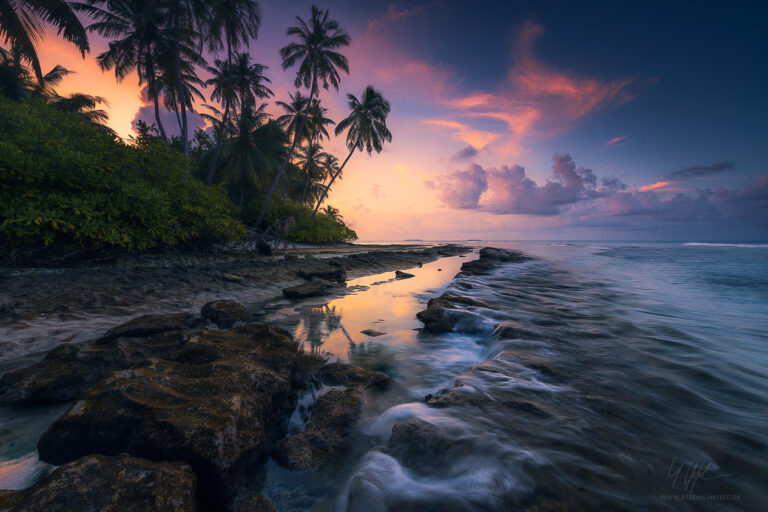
x=602 y=376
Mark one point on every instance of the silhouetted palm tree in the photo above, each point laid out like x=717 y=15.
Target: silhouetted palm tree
x=232 y=23
x=135 y=30
x=244 y=83
x=318 y=61
x=22 y=23
x=366 y=128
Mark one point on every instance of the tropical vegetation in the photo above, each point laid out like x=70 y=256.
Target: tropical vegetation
x=69 y=185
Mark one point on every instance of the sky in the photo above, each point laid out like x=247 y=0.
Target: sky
x=532 y=120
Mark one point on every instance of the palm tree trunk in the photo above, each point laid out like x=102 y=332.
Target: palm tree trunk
x=333 y=178
x=225 y=118
x=296 y=138
x=153 y=85
x=306 y=182
x=182 y=99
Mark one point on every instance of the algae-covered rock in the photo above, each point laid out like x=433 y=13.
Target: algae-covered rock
x=342 y=374
x=69 y=369
x=314 y=288
x=326 y=437
x=108 y=484
x=225 y=313
x=327 y=270
x=215 y=404
x=147 y=325
x=422 y=446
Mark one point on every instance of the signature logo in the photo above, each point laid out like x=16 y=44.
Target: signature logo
x=686 y=474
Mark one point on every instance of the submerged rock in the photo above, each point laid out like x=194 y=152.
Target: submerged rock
x=225 y=313
x=372 y=332
x=327 y=270
x=314 y=288
x=326 y=437
x=399 y=274
x=419 y=445
x=216 y=404
x=99 y=483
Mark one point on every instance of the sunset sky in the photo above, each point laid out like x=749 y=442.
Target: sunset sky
x=534 y=120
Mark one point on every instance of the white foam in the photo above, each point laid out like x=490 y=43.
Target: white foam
x=707 y=244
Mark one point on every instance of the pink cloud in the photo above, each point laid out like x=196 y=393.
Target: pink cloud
x=616 y=140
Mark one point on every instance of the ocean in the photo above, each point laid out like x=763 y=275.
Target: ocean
x=599 y=376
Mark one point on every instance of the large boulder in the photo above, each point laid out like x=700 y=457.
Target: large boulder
x=434 y=318
x=327 y=270
x=225 y=313
x=69 y=369
x=326 y=437
x=108 y=484
x=217 y=403
x=420 y=445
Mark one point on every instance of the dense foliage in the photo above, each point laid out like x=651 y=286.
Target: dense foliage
x=306 y=227
x=66 y=186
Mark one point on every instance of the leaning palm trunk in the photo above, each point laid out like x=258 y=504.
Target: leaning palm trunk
x=283 y=166
x=333 y=178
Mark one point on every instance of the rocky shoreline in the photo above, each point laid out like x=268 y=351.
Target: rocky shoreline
x=182 y=411
x=175 y=282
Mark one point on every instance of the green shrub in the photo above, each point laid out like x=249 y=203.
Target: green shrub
x=66 y=185
x=307 y=229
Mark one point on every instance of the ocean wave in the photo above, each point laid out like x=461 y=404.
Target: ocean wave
x=707 y=244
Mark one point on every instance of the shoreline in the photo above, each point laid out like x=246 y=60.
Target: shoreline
x=142 y=283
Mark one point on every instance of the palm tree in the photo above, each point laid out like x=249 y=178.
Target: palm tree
x=168 y=82
x=136 y=30
x=318 y=60
x=22 y=23
x=232 y=22
x=333 y=213
x=85 y=106
x=366 y=128
x=242 y=83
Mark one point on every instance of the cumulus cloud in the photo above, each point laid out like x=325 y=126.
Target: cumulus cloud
x=462 y=189
x=696 y=171
x=573 y=193
x=464 y=153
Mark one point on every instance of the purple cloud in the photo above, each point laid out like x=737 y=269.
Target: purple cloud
x=464 y=153
x=573 y=193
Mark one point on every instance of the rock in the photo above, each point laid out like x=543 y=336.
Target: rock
x=6 y=304
x=232 y=278
x=490 y=258
x=342 y=374
x=314 y=288
x=146 y=325
x=253 y=503
x=217 y=404
x=399 y=274
x=264 y=249
x=434 y=318
x=71 y=368
x=108 y=484
x=326 y=438
x=225 y=313
x=372 y=333
x=419 y=445
x=326 y=270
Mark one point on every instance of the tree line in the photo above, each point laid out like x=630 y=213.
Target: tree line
x=255 y=156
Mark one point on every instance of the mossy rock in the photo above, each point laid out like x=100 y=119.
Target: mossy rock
x=108 y=484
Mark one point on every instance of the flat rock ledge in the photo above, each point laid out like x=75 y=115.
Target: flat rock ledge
x=490 y=258
x=108 y=484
